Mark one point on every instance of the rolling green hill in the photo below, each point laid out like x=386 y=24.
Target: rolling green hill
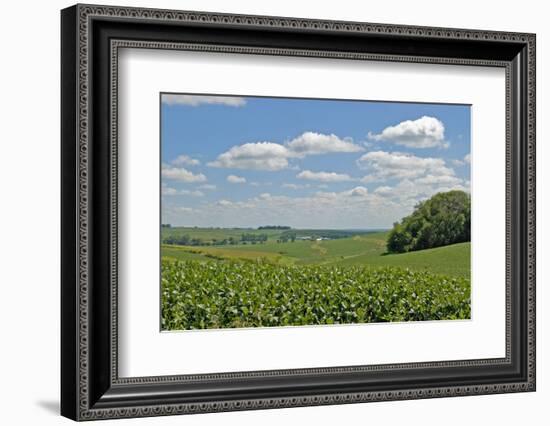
x=306 y=282
x=451 y=260
x=360 y=250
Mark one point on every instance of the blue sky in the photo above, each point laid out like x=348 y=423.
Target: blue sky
x=307 y=163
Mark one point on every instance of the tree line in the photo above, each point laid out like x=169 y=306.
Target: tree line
x=274 y=227
x=187 y=240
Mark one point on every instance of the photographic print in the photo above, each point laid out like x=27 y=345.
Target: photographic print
x=306 y=212
x=298 y=191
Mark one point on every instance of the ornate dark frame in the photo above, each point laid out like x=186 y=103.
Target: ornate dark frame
x=91 y=37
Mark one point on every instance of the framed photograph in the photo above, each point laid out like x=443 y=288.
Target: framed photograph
x=263 y=212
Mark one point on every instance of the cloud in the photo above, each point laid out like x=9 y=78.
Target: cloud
x=408 y=192
x=359 y=191
x=418 y=178
x=181 y=174
x=271 y=156
x=465 y=160
x=295 y=186
x=384 y=190
x=169 y=191
x=266 y=156
x=229 y=204
x=384 y=165
x=323 y=176
x=185 y=209
x=425 y=132
x=291 y=186
x=185 y=160
x=311 y=143
x=236 y=179
x=193 y=193
x=440 y=180
x=354 y=207
x=208 y=186
x=196 y=100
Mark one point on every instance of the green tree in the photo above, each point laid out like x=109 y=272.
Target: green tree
x=442 y=220
x=399 y=240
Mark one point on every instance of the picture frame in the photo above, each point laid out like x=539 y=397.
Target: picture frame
x=91 y=387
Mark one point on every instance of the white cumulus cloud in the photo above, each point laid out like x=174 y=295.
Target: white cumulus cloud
x=359 y=191
x=383 y=165
x=267 y=156
x=181 y=174
x=185 y=160
x=184 y=209
x=384 y=190
x=354 y=207
x=408 y=192
x=208 y=187
x=311 y=143
x=295 y=186
x=440 y=180
x=168 y=191
x=271 y=156
x=465 y=160
x=196 y=100
x=236 y=179
x=425 y=132
x=324 y=176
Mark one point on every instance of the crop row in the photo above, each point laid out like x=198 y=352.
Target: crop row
x=199 y=295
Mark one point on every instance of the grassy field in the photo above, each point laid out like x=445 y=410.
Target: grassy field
x=453 y=260
x=344 y=280
x=361 y=250
x=209 y=235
